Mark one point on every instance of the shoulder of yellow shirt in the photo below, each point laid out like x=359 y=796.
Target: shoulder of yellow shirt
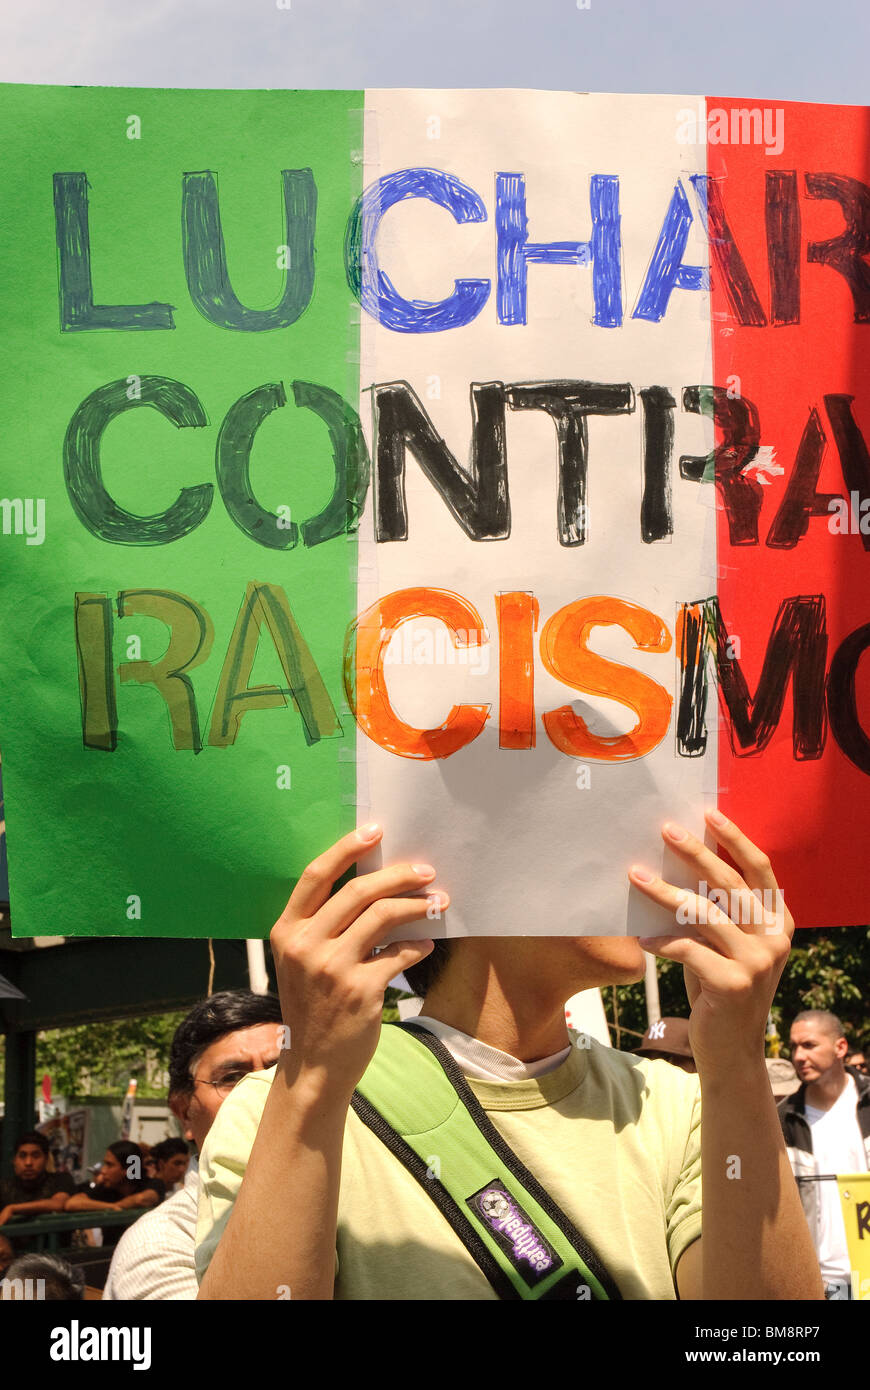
x=252 y=1090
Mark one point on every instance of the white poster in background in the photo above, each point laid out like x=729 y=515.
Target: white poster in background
x=533 y=841
x=584 y=1013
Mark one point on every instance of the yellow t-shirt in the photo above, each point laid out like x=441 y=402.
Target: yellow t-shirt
x=614 y=1140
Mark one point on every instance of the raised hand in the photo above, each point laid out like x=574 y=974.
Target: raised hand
x=330 y=983
x=733 y=944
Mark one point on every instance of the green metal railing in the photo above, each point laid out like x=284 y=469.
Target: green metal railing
x=45 y=1232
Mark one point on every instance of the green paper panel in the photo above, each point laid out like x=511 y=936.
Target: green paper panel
x=209 y=842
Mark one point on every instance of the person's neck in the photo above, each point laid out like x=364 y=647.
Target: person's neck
x=825 y=1092
x=505 y=1013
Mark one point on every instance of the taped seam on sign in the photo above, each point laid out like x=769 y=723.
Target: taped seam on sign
x=710 y=773
x=708 y=565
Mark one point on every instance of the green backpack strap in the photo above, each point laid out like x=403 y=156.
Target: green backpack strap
x=416 y=1100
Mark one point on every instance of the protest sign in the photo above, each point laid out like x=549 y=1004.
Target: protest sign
x=68 y=1138
x=854 y=1192
x=440 y=537
x=134 y=813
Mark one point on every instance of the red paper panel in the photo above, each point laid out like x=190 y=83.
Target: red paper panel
x=811 y=814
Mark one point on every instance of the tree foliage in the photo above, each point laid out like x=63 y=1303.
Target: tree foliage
x=391 y=1004
x=98 y=1059
x=826 y=970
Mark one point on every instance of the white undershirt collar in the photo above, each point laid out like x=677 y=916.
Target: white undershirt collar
x=486 y=1063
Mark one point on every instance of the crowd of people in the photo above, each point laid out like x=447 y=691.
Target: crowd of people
x=335 y=1157
x=824 y=1112
x=222 y=1039
x=130 y=1177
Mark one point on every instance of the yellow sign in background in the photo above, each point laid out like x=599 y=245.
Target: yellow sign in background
x=854 y=1189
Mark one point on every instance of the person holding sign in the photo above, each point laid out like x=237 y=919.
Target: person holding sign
x=313 y=1184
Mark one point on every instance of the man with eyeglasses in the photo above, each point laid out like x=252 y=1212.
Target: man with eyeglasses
x=222 y=1039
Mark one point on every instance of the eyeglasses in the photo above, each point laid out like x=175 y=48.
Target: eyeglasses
x=230 y=1079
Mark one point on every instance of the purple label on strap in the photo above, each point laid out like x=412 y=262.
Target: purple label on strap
x=529 y=1252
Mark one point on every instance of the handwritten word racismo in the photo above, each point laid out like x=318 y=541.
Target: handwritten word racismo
x=796 y=654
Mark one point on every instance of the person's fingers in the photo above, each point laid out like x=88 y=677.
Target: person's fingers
x=694 y=955
x=352 y=900
x=383 y=917
x=752 y=862
x=756 y=869
x=317 y=878
x=690 y=909
x=398 y=956
x=708 y=866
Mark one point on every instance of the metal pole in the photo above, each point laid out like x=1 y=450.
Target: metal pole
x=651 y=989
x=20 y=1089
x=257 y=967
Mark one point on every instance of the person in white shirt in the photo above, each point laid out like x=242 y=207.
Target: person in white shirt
x=222 y=1039
x=826 y=1124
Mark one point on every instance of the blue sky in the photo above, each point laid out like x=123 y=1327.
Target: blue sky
x=800 y=50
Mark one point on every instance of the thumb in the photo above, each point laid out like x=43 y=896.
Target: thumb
x=692 y=984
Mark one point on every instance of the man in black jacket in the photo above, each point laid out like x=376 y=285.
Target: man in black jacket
x=32 y=1190
x=826 y=1124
